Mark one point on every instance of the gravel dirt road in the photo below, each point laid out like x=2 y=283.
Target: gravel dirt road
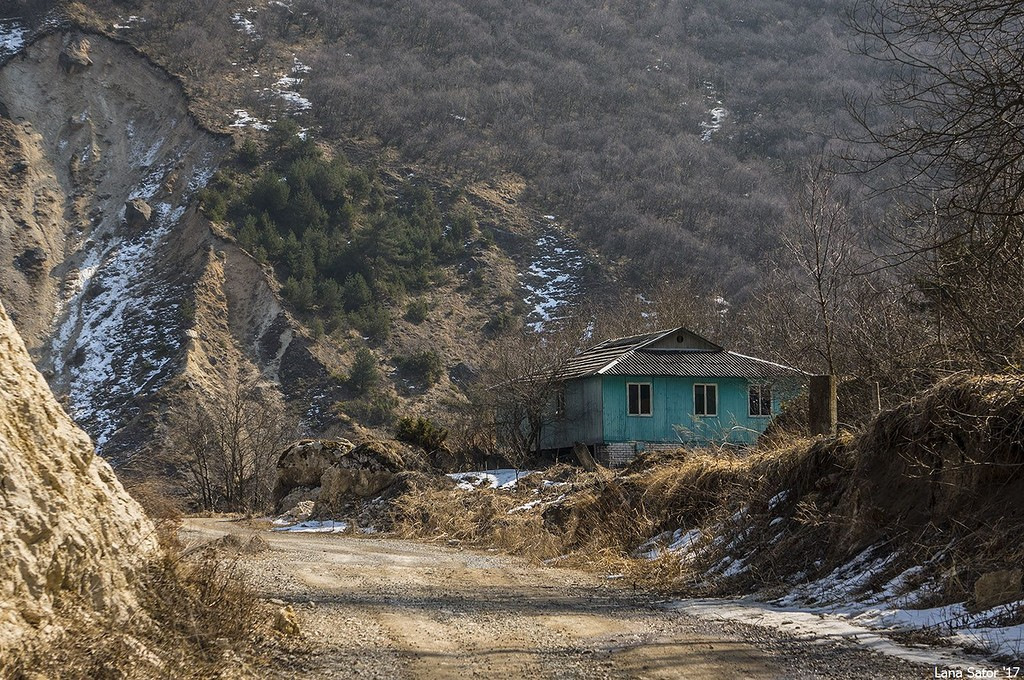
x=385 y=608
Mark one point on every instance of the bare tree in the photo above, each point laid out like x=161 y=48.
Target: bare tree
x=225 y=445
x=953 y=139
x=955 y=101
x=820 y=243
x=524 y=379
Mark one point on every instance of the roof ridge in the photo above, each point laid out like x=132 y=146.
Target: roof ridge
x=651 y=338
x=765 y=361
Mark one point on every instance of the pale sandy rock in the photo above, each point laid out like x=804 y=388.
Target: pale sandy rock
x=68 y=530
x=301 y=465
x=996 y=588
x=137 y=213
x=74 y=58
x=334 y=472
x=286 y=622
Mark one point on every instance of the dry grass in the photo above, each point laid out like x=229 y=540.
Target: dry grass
x=934 y=481
x=479 y=518
x=195 y=619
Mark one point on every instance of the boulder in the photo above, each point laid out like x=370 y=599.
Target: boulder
x=301 y=464
x=286 y=622
x=298 y=498
x=69 y=533
x=137 y=213
x=74 y=58
x=996 y=588
x=333 y=472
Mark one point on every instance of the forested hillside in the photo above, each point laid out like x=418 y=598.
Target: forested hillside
x=683 y=144
x=665 y=134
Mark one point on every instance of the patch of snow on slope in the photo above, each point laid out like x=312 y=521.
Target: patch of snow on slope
x=843 y=583
x=13 y=35
x=123 y=23
x=679 y=542
x=552 y=281
x=285 y=88
x=244 y=119
x=102 y=323
x=537 y=502
x=505 y=478
x=717 y=113
x=244 y=24
x=120 y=330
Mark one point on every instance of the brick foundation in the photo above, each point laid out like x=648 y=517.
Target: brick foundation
x=620 y=454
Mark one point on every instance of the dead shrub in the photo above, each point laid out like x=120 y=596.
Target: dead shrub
x=931 y=481
x=196 y=619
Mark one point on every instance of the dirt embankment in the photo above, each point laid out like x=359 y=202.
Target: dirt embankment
x=71 y=539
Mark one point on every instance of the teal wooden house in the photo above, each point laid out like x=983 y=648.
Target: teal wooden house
x=661 y=391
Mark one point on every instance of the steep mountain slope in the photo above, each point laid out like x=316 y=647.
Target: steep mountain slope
x=103 y=162
x=130 y=299
x=666 y=135
x=69 y=533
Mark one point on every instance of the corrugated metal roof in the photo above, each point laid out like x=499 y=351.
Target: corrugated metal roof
x=628 y=356
x=697 y=364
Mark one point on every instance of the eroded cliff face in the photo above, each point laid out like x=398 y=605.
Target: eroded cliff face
x=104 y=161
x=122 y=291
x=69 y=532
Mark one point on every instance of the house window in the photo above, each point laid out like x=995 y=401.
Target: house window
x=760 y=400
x=638 y=399
x=705 y=400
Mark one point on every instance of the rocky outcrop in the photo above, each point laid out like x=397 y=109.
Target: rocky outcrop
x=74 y=58
x=334 y=472
x=69 y=533
x=303 y=463
x=137 y=213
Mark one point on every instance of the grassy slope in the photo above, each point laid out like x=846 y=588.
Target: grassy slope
x=929 y=483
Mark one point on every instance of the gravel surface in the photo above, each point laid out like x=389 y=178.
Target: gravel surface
x=383 y=608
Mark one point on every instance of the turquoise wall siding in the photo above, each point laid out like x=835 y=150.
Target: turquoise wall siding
x=672 y=418
x=595 y=412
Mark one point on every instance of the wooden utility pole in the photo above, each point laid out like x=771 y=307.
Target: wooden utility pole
x=822 y=415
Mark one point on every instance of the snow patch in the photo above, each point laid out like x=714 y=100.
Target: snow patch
x=286 y=86
x=505 y=478
x=541 y=502
x=716 y=112
x=315 y=527
x=679 y=543
x=125 y=23
x=13 y=35
x=552 y=281
x=244 y=119
x=244 y=24
x=820 y=627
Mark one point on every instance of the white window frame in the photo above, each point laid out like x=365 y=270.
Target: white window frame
x=640 y=401
x=705 y=386
x=760 y=387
